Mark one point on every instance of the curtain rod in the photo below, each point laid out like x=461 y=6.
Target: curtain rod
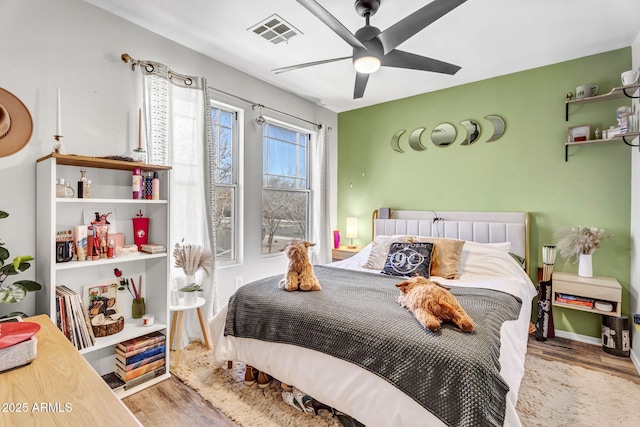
x=126 y=58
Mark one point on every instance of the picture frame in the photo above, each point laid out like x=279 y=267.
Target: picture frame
x=579 y=133
x=101 y=298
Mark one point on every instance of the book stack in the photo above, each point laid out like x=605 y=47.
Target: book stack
x=73 y=319
x=575 y=300
x=140 y=359
x=152 y=248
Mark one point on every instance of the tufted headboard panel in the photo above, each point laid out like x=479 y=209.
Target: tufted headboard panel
x=482 y=227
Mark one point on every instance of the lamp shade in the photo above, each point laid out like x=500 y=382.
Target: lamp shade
x=352 y=228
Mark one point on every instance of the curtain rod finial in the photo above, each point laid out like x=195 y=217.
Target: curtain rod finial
x=126 y=58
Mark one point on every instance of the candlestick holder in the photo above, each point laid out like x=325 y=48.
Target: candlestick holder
x=58 y=147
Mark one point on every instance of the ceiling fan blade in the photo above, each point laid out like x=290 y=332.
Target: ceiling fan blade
x=330 y=21
x=308 y=64
x=401 y=59
x=361 y=84
x=401 y=31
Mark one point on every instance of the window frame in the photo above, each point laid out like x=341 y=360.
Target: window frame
x=307 y=190
x=235 y=186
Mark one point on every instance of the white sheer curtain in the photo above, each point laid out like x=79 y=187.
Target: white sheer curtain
x=178 y=128
x=320 y=232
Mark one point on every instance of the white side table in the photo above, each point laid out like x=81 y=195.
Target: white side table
x=176 y=322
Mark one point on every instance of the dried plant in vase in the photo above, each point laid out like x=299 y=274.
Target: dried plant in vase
x=192 y=258
x=572 y=242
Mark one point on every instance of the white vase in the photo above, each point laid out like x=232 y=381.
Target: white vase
x=585 y=265
x=190 y=298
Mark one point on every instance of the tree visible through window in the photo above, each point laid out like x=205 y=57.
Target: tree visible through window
x=224 y=141
x=285 y=186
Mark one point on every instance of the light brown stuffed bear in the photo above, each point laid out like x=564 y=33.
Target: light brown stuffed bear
x=432 y=304
x=299 y=273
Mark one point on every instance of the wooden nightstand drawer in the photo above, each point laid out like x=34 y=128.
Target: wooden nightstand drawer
x=594 y=288
x=343 y=252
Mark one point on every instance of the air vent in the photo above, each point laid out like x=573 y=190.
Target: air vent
x=275 y=29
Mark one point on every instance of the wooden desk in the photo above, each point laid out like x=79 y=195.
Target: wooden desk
x=59 y=388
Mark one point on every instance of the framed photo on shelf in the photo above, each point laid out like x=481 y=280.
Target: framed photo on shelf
x=579 y=133
x=101 y=298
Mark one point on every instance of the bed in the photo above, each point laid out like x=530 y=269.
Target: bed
x=471 y=383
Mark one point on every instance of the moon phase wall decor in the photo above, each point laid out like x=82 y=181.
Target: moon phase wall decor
x=414 y=140
x=473 y=131
x=444 y=134
x=498 y=126
x=395 y=141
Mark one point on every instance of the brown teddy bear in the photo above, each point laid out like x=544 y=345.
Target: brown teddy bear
x=299 y=273
x=431 y=304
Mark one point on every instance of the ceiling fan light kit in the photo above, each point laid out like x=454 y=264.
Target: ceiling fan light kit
x=373 y=48
x=366 y=64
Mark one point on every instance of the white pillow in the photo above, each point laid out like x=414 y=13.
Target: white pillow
x=482 y=258
x=477 y=246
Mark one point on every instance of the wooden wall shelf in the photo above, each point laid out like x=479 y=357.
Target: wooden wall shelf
x=100 y=163
x=616 y=92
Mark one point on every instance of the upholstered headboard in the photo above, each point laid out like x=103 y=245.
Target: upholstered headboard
x=482 y=227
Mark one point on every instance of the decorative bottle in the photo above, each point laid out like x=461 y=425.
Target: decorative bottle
x=82 y=185
x=60 y=187
x=148 y=186
x=136 y=183
x=69 y=192
x=87 y=190
x=155 y=187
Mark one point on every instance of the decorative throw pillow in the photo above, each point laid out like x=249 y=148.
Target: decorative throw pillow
x=380 y=249
x=445 y=259
x=408 y=259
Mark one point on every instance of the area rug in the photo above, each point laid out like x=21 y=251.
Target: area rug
x=552 y=394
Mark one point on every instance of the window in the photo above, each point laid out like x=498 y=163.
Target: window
x=225 y=142
x=285 y=185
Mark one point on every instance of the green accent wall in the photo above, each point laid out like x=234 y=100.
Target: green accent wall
x=524 y=170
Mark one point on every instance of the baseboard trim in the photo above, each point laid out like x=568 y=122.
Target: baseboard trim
x=577 y=337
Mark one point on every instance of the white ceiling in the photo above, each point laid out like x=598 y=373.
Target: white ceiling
x=487 y=38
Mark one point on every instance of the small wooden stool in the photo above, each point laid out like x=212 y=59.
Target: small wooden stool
x=176 y=322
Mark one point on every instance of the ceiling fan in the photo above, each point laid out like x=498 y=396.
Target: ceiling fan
x=373 y=48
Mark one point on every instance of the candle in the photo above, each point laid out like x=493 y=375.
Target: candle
x=59 y=122
x=139 y=128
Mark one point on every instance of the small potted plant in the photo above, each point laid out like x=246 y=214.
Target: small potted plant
x=16 y=291
x=192 y=258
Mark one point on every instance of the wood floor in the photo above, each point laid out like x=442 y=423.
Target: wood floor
x=586 y=355
x=173 y=403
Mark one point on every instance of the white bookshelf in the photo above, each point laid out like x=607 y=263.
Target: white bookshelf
x=111 y=191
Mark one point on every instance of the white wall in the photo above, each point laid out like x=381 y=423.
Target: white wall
x=635 y=224
x=76 y=46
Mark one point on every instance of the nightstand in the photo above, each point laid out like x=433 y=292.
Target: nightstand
x=587 y=289
x=343 y=252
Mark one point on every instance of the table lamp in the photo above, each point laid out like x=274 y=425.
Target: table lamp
x=352 y=230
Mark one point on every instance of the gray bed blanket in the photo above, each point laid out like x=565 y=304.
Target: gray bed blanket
x=355 y=317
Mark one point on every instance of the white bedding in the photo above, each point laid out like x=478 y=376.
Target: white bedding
x=365 y=396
